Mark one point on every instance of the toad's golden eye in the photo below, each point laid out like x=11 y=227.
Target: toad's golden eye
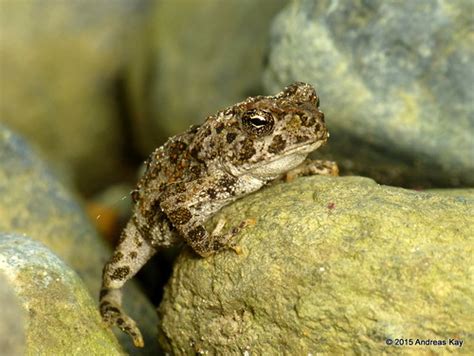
x=258 y=122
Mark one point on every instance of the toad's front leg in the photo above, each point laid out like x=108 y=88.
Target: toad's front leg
x=312 y=167
x=206 y=244
x=189 y=211
x=196 y=235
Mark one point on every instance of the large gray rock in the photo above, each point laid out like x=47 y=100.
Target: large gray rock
x=62 y=81
x=332 y=266
x=34 y=203
x=52 y=308
x=395 y=80
x=206 y=55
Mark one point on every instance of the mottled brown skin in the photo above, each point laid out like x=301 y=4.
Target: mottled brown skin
x=193 y=175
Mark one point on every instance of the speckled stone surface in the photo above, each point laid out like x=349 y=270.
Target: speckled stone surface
x=395 y=81
x=57 y=312
x=333 y=265
x=33 y=202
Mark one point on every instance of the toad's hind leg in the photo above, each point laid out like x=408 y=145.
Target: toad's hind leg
x=129 y=257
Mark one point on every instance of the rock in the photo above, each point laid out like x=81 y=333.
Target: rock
x=395 y=81
x=333 y=265
x=461 y=193
x=60 y=314
x=34 y=203
x=194 y=73
x=62 y=81
x=12 y=319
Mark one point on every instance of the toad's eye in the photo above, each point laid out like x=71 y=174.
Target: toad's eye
x=258 y=122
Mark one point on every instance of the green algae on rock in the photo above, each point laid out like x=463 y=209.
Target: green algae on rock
x=61 y=317
x=333 y=265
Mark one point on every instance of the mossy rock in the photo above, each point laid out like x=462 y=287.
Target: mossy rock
x=56 y=313
x=332 y=265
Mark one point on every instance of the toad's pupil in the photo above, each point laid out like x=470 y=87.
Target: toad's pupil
x=258 y=121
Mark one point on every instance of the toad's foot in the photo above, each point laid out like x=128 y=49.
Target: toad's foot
x=225 y=241
x=312 y=167
x=210 y=243
x=112 y=314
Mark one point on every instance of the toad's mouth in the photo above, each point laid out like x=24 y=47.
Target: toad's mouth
x=309 y=148
x=303 y=149
x=280 y=164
